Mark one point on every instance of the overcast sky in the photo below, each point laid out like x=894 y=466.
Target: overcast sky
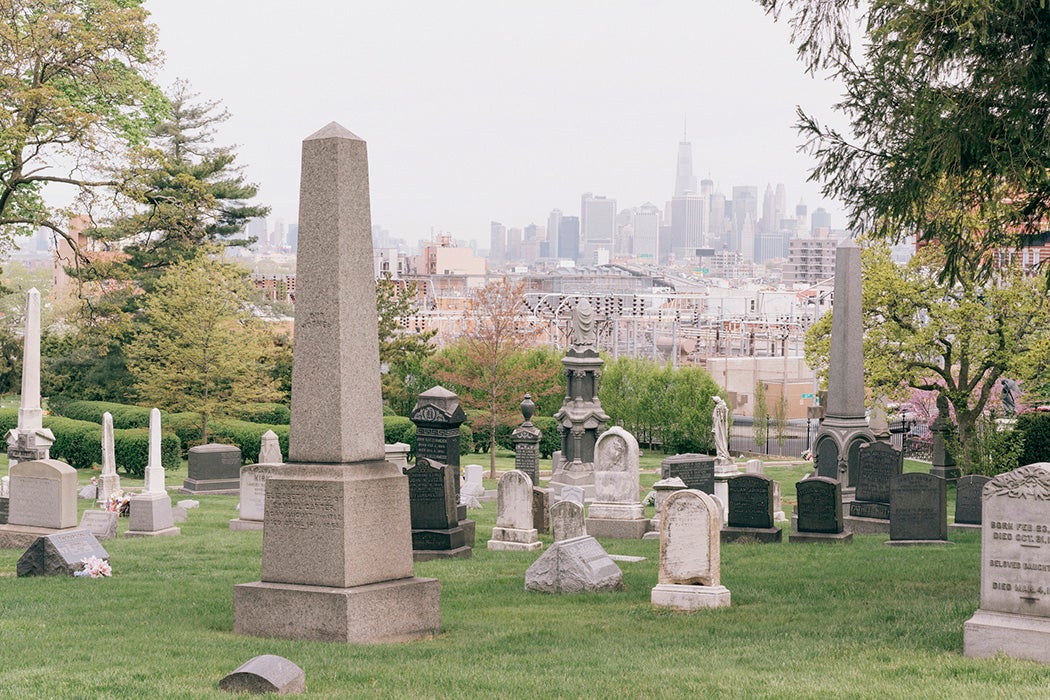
x=476 y=110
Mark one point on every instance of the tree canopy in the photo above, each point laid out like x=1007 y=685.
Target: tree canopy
x=948 y=105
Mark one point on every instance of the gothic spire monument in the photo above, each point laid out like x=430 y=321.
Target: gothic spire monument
x=580 y=418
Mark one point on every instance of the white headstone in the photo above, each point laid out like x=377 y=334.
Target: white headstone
x=754 y=466
x=397 y=454
x=30 y=440
x=474 y=475
x=616 y=467
x=514 y=530
x=109 y=482
x=572 y=493
x=270 y=449
x=690 y=553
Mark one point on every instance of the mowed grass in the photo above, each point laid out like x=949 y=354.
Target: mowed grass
x=806 y=621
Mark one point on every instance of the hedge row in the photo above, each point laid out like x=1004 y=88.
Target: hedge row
x=401 y=429
x=265 y=413
x=78 y=443
x=124 y=416
x=243 y=434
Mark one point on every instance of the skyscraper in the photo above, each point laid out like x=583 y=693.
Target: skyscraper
x=553 y=226
x=780 y=210
x=498 y=243
x=745 y=206
x=768 y=213
x=688 y=221
x=646 y=223
x=801 y=218
x=597 y=223
x=569 y=238
x=821 y=219
x=684 y=180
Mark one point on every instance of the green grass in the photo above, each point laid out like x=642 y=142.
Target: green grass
x=806 y=621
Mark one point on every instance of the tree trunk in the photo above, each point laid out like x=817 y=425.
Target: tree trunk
x=492 y=449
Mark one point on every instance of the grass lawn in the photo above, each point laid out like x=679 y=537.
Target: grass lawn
x=807 y=621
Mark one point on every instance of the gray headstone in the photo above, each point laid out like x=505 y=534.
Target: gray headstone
x=751 y=501
x=828 y=458
x=567 y=520
x=819 y=505
x=43 y=494
x=572 y=493
x=266 y=674
x=5 y=505
x=879 y=463
x=59 y=554
x=214 y=461
x=432 y=497
x=696 y=470
x=578 y=565
x=968 y=498
x=918 y=507
x=541 y=504
x=100 y=523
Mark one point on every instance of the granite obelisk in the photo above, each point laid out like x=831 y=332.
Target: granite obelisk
x=337 y=544
x=151 y=514
x=30 y=441
x=845 y=427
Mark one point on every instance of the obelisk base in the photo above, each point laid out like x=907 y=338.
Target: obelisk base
x=388 y=611
x=689 y=597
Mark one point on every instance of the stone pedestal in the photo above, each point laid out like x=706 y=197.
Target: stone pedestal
x=508 y=539
x=151 y=516
x=688 y=598
x=214 y=469
x=616 y=521
x=437 y=416
x=580 y=420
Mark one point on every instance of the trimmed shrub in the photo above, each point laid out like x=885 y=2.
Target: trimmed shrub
x=78 y=443
x=186 y=425
x=131 y=450
x=124 y=416
x=266 y=413
x=1036 y=429
x=394 y=429
x=551 y=440
x=8 y=419
x=247 y=436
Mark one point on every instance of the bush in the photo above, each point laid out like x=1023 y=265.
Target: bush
x=186 y=425
x=1036 y=430
x=78 y=443
x=267 y=413
x=247 y=436
x=131 y=450
x=551 y=440
x=8 y=419
x=395 y=429
x=124 y=416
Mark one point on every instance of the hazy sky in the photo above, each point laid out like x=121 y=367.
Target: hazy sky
x=478 y=111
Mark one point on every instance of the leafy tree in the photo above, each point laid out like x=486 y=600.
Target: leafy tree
x=74 y=98
x=949 y=119
x=780 y=421
x=201 y=349
x=487 y=368
x=760 y=431
x=955 y=338
x=401 y=352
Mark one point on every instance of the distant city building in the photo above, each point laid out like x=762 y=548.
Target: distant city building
x=801 y=217
x=443 y=257
x=768 y=221
x=514 y=239
x=716 y=218
x=811 y=260
x=569 y=238
x=597 y=223
x=553 y=227
x=688 y=222
x=780 y=212
x=744 y=208
x=684 y=180
x=497 y=243
x=646 y=225
x=820 y=219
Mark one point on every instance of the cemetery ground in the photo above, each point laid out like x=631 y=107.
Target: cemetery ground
x=806 y=621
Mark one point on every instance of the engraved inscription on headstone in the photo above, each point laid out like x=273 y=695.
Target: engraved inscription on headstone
x=432 y=506
x=918 y=507
x=751 y=501
x=879 y=463
x=317 y=505
x=828 y=459
x=696 y=470
x=819 y=505
x=968 y=492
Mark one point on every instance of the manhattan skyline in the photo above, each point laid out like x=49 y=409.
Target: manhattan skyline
x=474 y=113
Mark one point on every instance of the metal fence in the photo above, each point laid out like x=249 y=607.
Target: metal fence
x=794 y=437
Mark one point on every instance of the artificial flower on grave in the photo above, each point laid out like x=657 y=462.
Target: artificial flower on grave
x=94 y=567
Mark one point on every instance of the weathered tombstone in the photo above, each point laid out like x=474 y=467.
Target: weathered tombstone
x=577 y=565
x=690 y=553
x=514 y=531
x=151 y=514
x=59 y=554
x=696 y=470
x=265 y=674
x=572 y=493
x=213 y=468
x=30 y=441
x=918 y=509
x=100 y=523
x=754 y=466
x=567 y=521
x=474 y=485
x=942 y=463
x=616 y=512
x=43 y=494
x=435 y=526
x=527 y=443
x=109 y=482
x=828 y=459
x=270 y=449
x=878 y=464
x=819 y=511
x=253 y=496
x=1014 y=617
x=541 y=508
x=397 y=454
x=662 y=489
x=968 y=490
x=751 y=509
x=337 y=542
x=437 y=416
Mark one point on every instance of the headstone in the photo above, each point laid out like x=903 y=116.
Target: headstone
x=100 y=523
x=751 y=509
x=1014 y=617
x=437 y=416
x=30 y=441
x=526 y=440
x=474 y=485
x=690 y=553
x=661 y=490
x=5 y=506
x=572 y=493
x=567 y=521
x=43 y=494
x=942 y=463
x=514 y=531
x=213 y=468
x=754 y=466
x=696 y=470
x=819 y=511
x=59 y=554
x=265 y=674
x=397 y=454
x=968 y=501
x=88 y=493
x=845 y=425
x=577 y=565
x=878 y=464
x=109 y=482
x=188 y=504
x=270 y=449
x=435 y=525
x=337 y=541
x=253 y=496
x=617 y=512
x=151 y=514
x=918 y=509
x=541 y=508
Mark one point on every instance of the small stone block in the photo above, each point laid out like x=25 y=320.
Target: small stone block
x=178 y=514
x=763 y=535
x=100 y=523
x=60 y=554
x=988 y=633
x=266 y=674
x=188 y=503
x=608 y=529
x=817 y=537
x=239 y=524
x=687 y=598
x=866 y=526
x=428 y=554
